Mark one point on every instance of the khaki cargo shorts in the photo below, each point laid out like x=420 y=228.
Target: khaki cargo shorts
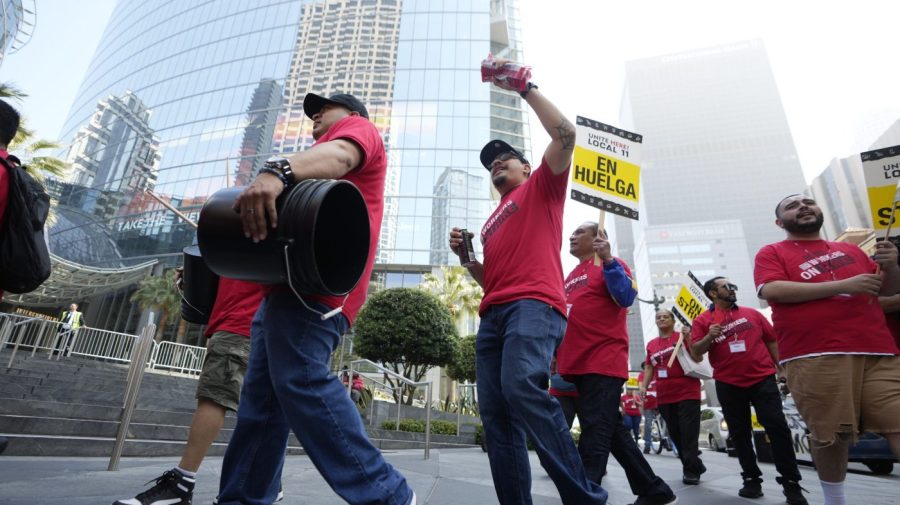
x=846 y=393
x=224 y=368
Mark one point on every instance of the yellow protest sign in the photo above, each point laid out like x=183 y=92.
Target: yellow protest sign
x=881 y=168
x=691 y=301
x=606 y=173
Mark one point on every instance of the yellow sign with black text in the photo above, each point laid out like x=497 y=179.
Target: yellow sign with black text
x=691 y=301
x=606 y=173
x=881 y=168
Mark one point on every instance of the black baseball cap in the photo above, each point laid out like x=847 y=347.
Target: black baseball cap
x=313 y=103
x=495 y=148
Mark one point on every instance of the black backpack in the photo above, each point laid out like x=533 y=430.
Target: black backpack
x=24 y=258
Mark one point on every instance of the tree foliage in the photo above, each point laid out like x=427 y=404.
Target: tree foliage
x=456 y=290
x=157 y=292
x=462 y=368
x=407 y=330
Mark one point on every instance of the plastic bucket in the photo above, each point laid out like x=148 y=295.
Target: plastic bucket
x=200 y=287
x=321 y=244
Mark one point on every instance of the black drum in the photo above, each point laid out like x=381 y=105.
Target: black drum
x=321 y=243
x=200 y=288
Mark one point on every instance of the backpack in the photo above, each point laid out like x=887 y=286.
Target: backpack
x=24 y=256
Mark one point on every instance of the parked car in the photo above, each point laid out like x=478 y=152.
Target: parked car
x=713 y=428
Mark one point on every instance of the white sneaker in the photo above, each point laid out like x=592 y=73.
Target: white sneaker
x=413 y=502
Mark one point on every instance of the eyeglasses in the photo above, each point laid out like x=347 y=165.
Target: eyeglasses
x=729 y=287
x=505 y=156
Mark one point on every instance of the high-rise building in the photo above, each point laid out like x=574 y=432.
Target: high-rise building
x=716 y=148
x=17 y=18
x=222 y=85
x=716 y=139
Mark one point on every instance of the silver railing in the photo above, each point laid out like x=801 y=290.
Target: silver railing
x=372 y=406
x=23 y=331
x=355 y=366
x=181 y=358
x=102 y=344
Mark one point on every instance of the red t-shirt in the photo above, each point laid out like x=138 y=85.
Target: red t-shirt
x=234 y=308
x=522 y=240
x=369 y=178
x=672 y=386
x=596 y=339
x=4 y=194
x=739 y=355
x=835 y=325
x=630 y=405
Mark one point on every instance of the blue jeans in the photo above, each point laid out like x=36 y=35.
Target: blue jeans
x=633 y=423
x=288 y=387
x=649 y=416
x=515 y=343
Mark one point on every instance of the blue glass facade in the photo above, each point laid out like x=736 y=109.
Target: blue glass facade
x=186 y=98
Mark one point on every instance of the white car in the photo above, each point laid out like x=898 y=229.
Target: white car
x=713 y=428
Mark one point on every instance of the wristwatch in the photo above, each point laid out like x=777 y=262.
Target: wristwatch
x=281 y=168
x=528 y=87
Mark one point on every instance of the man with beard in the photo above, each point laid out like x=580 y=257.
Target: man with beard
x=741 y=346
x=523 y=314
x=841 y=362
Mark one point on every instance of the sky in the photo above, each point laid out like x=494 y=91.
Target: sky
x=833 y=61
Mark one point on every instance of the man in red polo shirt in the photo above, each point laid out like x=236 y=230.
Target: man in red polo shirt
x=743 y=354
x=841 y=361
x=594 y=356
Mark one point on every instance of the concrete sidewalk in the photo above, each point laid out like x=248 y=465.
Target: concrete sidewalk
x=449 y=477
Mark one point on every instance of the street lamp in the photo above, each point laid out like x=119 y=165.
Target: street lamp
x=656 y=301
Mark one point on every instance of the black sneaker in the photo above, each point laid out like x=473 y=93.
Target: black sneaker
x=752 y=488
x=793 y=492
x=647 y=450
x=691 y=479
x=172 y=488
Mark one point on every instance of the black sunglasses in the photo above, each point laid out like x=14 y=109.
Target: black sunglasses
x=729 y=287
x=505 y=156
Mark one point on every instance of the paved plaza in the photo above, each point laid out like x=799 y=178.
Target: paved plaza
x=449 y=477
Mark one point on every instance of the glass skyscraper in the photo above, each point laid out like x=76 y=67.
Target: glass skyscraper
x=17 y=19
x=184 y=99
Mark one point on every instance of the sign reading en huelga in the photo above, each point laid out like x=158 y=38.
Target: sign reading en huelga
x=691 y=301
x=882 y=171
x=606 y=173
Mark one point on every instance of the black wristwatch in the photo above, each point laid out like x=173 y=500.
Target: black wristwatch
x=528 y=87
x=281 y=168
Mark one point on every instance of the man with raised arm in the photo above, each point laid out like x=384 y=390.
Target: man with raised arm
x=523 y=314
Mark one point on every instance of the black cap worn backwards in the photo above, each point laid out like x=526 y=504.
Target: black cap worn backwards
x=313 y=103
x=495 y=148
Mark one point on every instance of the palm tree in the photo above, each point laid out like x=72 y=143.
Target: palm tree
x=29 y=150
x=158 y=293
x=455 y=289
x=9 y=90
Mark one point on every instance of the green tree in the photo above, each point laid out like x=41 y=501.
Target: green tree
x=9 y=90
x=462 y=368
x=456 y=290
x=157 y=292
x=407 y=330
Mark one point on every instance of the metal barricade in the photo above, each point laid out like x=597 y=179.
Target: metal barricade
x=102 y=344
x=355 y=365
x=181 y=358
